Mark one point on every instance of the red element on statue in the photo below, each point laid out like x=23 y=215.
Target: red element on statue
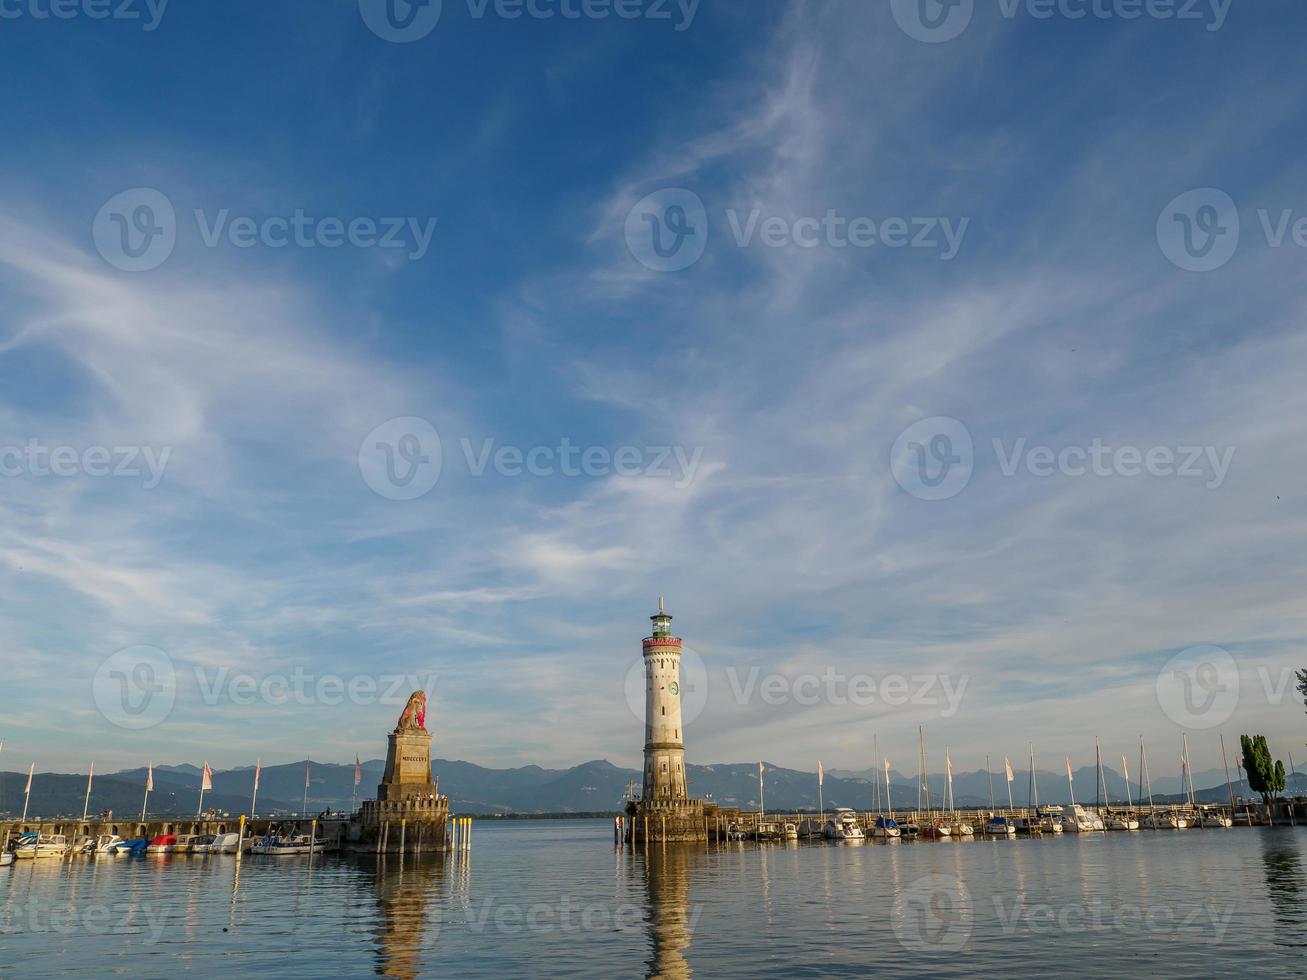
x=422 y=717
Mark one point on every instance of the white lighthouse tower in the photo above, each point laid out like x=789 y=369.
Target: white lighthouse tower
x=664 y=745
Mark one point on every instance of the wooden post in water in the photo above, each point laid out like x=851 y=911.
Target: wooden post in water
x=403 y=832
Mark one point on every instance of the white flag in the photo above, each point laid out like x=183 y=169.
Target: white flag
x=887 y=768
x=821 y=773
x=206 y=781
x=1125 y=769
x=760 y=770
x=30 y=770
x=258 y=765
x=149 y=779
x=306 y=773
x=948 y=767
x=1068 y=767
x=1008 y=766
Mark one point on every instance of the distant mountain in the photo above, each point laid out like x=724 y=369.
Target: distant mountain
x=595 y=786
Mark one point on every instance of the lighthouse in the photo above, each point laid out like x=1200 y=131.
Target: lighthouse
x=664 y=745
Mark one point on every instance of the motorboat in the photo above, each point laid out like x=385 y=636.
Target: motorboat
x=203 y=844
x=843 y=825
x=910 y=830
x=766 y=830
x=790 y=831
x=1051 y=821
x=103 y=843
x=1000 y=827
x=733 y=832
x=129 y=848
x=886 y=827
x=1214 y=818
x=289 y=844
x=1076 y=820
x=185 y=843
x=961 y=828
x=163 y=844
x=1121 y=823
x=6 y=858
x=34 y=846
x=1165 y=821
x=225 y=843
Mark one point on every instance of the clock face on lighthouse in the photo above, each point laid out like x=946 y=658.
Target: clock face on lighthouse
x=674 y=687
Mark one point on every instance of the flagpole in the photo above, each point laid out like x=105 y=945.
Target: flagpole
x=27 y=793
x=1007 y=774
x=149 y=782
x=990 y=780
x=762 y=809
x=889 y=800
x=821 y=803
x=86 y=803
x=353 y=796
x=305 y=805
x=875 y=777
x=255 y=797
x=1070 y=785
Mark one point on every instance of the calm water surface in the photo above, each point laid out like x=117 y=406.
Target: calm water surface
x=546 y=898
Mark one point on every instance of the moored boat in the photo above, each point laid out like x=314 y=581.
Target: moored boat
x=1118 y=822
x=35 y=846
x=225 y=843
x=281 y=846
x=886 y=827
x=843 y=825
x=130 y=848
x=1000 y=827
x=162 y=844
x=790 y=831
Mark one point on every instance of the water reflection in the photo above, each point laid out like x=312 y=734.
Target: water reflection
x=403 y=889
x=667 y=873
x=1282 y=866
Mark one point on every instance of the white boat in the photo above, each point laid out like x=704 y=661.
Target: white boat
x=6 y=857
x=33 y=846
x=843 y=825
x=290 y=844
x=1000 y=827
x=1211 y=818
x=962 y=829
x=203 y=844
x=1121 y=823
x=886 y=827
x=225 y=843
x=1076 y=820
x=104 y=844
x=1165 y=821
x=186 y=843
x=789 y=831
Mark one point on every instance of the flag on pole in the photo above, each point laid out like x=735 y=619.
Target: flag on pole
x=257 y=767
x=306 y=773
x=1068 y=767
x=948 y=767
x=31 y=769
x=206 y=781
x=89 y=776
x=1125 y=769
x=887 y=768
x=821 y=773
x=1007 y=765
x=358 y=770
x=760 y=770
x=149 y=779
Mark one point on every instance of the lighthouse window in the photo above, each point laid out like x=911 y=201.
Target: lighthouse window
x=664 y=710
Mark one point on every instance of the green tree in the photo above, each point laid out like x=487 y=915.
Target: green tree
x=1302 y=684
x=1265 y=775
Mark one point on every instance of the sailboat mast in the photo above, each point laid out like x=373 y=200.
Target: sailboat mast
x=1143 y=754
x=1102 y=782
x=989 y=778
x=1188 y=772
x=925 y=780
x=1033 y=781
x=875 y=776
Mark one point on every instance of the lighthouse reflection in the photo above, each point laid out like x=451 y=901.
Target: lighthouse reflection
x=668 y=869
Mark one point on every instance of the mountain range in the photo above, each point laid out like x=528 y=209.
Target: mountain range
x=591 y=787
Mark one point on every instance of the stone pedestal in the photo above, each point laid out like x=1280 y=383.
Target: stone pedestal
x=409 y=814
x=669 y=821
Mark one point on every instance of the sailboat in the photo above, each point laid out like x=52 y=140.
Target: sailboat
x=1043 y=823
x=956 y=826
x=931 y=827
x=886 y=826
x=1155 y=820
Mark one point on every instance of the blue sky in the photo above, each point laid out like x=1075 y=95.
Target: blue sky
x=1052 y=148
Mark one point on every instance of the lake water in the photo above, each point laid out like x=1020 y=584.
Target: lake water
x=545 y=898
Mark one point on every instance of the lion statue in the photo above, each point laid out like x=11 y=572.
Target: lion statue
x=414 y=716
